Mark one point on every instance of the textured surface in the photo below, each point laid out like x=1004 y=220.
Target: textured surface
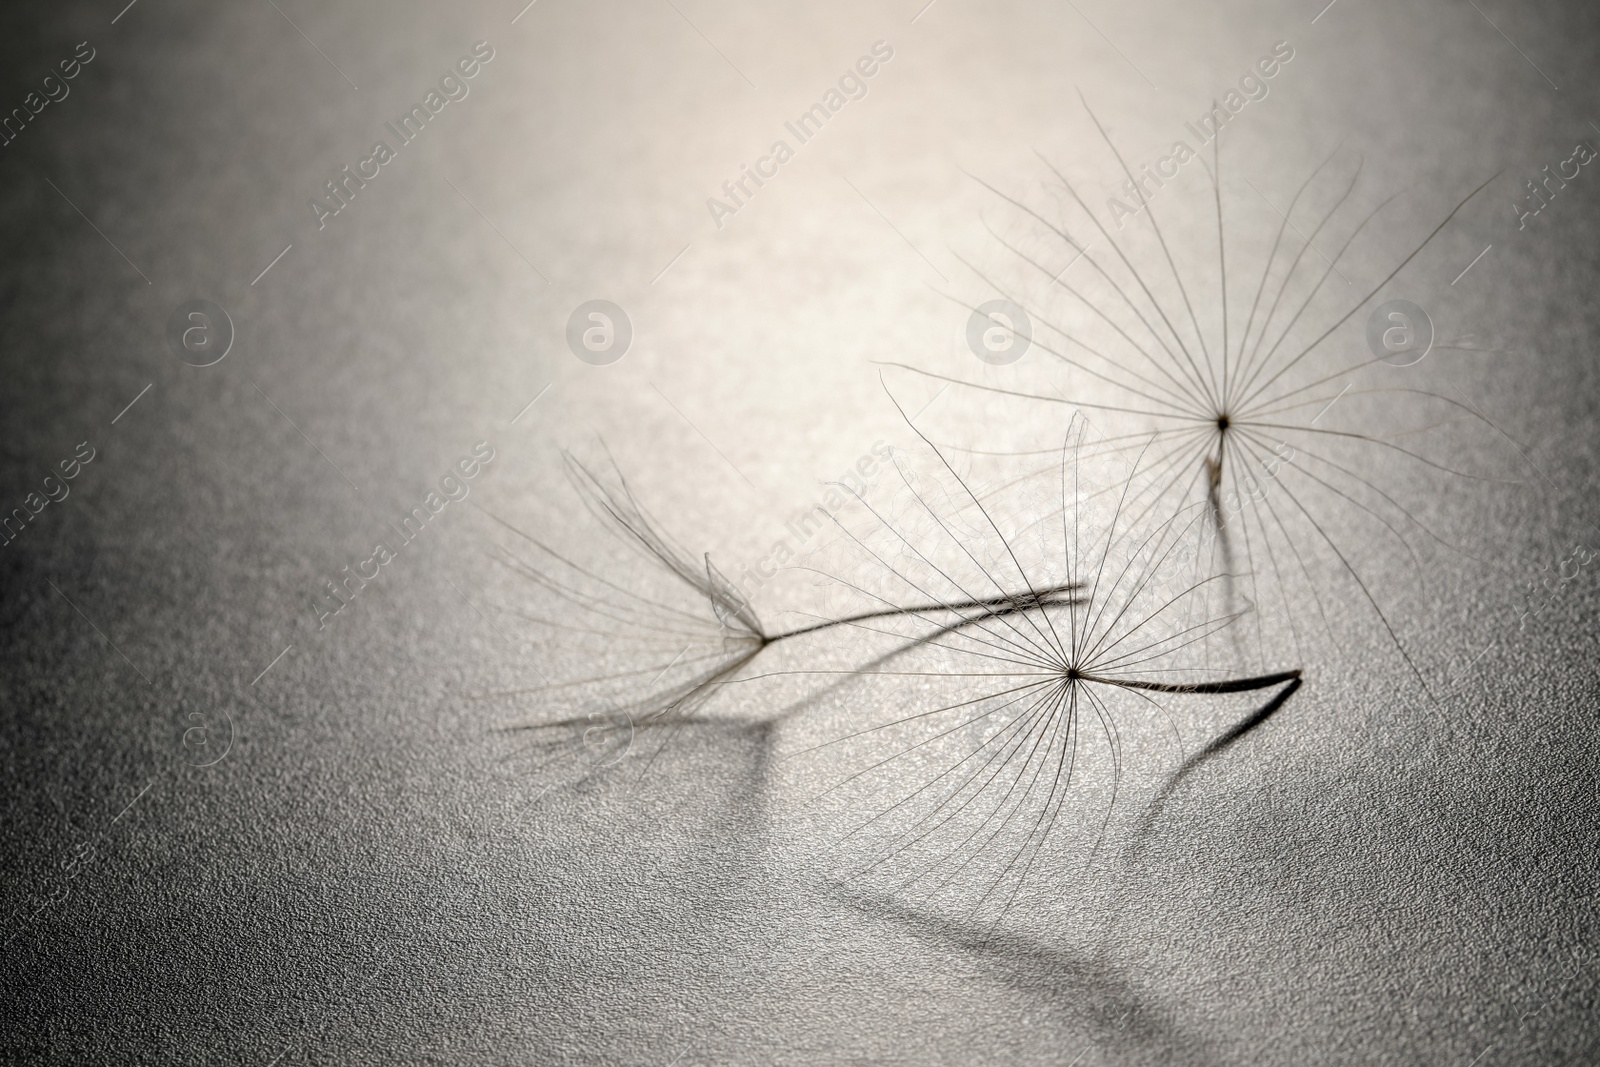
x=340 y=866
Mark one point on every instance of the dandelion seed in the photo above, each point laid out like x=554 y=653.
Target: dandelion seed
x=1232 y=415
x=689 y=635
x=977 y=777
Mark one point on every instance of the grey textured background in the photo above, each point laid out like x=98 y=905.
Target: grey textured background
x=361 y=878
